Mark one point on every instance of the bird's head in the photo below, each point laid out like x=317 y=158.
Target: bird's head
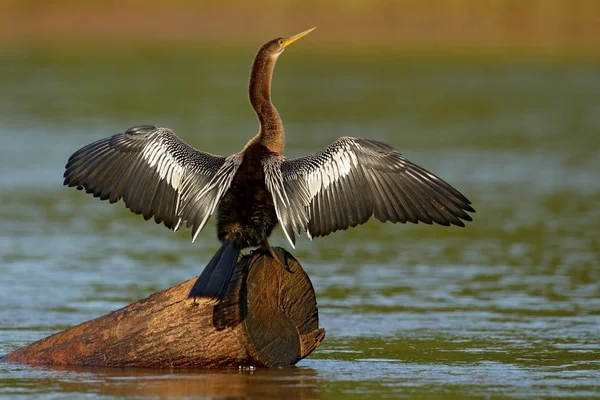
x=275 y=47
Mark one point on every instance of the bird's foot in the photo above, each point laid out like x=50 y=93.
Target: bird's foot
x=277 y=256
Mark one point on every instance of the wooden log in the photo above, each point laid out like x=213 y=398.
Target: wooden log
x=268 y=318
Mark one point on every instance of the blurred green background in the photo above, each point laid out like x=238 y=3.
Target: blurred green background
x=499 y=98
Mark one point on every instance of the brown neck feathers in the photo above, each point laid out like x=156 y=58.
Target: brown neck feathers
x=271 y=132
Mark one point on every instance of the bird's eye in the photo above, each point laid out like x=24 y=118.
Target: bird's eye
x=281 y=42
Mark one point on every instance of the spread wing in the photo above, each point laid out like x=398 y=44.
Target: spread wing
x=353 y=179
x=155 y=173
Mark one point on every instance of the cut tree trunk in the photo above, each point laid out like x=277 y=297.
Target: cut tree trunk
x=268 y=318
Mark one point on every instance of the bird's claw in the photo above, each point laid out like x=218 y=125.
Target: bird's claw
x=281 y=259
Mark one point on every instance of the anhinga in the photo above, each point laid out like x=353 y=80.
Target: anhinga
x=342 y=185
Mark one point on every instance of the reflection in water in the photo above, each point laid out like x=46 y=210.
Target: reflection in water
x=283 y=383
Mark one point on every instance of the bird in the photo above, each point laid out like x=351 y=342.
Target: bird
x=340 y=186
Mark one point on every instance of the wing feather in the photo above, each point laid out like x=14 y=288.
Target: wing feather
x=155 y=173
x=354 y=179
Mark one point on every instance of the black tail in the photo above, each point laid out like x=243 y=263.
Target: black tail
x=211 y=285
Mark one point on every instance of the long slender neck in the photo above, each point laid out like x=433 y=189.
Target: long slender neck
x=271 y=133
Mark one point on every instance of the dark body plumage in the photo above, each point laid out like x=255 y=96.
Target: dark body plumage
x=343 y=185
x=246 y=213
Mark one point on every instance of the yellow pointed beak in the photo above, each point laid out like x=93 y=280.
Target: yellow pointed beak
x=292 y=39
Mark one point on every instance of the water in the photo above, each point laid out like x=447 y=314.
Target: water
x=509 y=306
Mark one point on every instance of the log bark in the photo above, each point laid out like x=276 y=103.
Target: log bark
x=268 y=318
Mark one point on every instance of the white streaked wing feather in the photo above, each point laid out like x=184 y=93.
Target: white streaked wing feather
x=155 y=173
x=366 y=175
x=209 y=195
x=275 y=185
